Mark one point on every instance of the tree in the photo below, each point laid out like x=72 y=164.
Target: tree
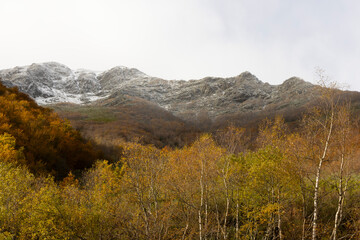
x=318 y=126
x=193 y=182
x=8 y=153
x=144 y=169
x=232 y=140
x=346 y=139
x=15 y=185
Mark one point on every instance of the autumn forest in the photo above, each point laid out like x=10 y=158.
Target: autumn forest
x=284 y=182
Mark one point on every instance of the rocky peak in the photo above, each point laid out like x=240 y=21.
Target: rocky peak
x=248 y=76
x=53 y=82
x=118 y=75
x=53 y=69
x=294 y=85
x=294 y=81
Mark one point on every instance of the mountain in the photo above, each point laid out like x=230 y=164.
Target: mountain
x=126 y=104
x=51 y=82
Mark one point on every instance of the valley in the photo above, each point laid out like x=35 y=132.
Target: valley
x=122 y=155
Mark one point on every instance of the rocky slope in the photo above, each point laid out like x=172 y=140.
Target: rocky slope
x=209 y=97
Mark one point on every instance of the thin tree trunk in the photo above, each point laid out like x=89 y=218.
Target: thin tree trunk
x=141 y=202
x=316 y=197
x=206 y=211
x=303 y=229
x=185 y=230
x=270 y=228
x=217 y=220
x=303 y=197
x=225 y=173
x=279 y=217
x=225 y=218
x=340 y=200
x=342 y=193
x=206 y=219
x=201 y=199
x=154 y=196
x=317 y=179
x=200 y=225
x=237 y=216
x=345 y=118
x=337 y=219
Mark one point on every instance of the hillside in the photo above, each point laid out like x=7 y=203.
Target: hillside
x=126 y=104
x=46 y=143
x=163 y=177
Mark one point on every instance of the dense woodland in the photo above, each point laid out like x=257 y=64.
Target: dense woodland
x=47 y=143
x=288 y=183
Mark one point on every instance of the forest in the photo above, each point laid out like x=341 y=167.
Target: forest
x=286 y=183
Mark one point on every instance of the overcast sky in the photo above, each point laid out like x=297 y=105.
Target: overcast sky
x=188 y=39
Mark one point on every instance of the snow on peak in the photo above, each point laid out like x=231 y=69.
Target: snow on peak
x=51 y=82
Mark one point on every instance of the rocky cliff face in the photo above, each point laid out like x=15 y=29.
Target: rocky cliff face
x=213 y=97
x=53 y=82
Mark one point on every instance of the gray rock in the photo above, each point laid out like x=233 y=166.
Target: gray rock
x=214 y=97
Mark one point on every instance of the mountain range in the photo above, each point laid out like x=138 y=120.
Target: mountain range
x=52 y=82
x=127 y=103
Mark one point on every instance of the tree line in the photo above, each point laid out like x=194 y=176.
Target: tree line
x=292 y=184
x=48 y=144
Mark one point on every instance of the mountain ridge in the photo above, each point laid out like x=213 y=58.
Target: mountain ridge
x=125 y=104
x=52 y=82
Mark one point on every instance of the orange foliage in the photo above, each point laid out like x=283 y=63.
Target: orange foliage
x=49 y=143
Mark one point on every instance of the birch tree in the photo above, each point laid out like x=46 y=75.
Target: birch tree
x=346 y=139
x=318 y=127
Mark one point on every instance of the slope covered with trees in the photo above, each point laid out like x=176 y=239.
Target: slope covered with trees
x=292 y=184
x=44 y=142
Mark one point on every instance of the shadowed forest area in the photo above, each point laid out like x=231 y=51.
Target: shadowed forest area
x=292 y=182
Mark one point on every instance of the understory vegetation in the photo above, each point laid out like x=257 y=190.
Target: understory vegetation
x=290 y=184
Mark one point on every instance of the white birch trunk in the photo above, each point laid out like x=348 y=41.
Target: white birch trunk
x=342 y=193
x=317 y=179
x=225 y=174
x=201 y=198
x=279 y=217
